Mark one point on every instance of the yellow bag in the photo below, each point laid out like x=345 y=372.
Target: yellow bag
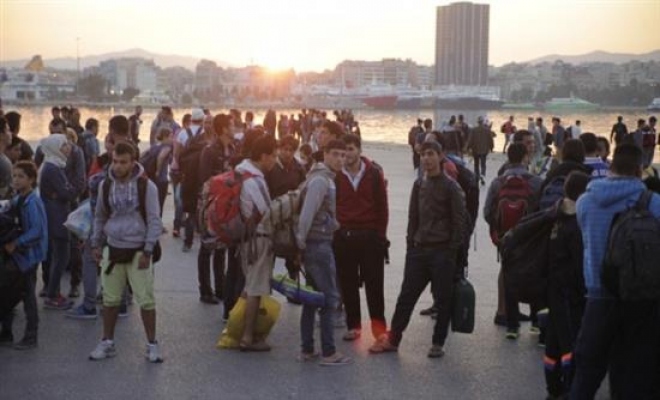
x=269 y=311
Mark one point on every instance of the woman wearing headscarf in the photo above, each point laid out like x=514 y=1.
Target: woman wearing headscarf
x=57 y=195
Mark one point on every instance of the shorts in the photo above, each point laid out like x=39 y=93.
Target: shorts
x=114 y=283
x=257 y=260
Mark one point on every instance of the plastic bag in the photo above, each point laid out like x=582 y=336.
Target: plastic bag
x=269 y=312
x=79 y=222
x=296 y=291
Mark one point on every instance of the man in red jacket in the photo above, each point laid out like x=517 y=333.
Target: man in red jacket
x=360 y=243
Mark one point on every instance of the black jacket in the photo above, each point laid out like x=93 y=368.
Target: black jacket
x=563 y=169
x=283 y=178
x=566 y=253
x=437 y=215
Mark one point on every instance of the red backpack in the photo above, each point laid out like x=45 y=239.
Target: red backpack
x=220 y=208
x=511 y=204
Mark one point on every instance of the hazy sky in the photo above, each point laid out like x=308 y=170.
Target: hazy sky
x=313 y=35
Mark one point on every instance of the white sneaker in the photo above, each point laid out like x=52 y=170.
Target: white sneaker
x=153 y=353
x=105 y=349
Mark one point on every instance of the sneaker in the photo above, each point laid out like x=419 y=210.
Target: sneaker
x=186 y=248
x=81 y=312
x=123 y=311
x=429 y=311
x=307 y=357
x=351 y=335
x=58 y=303
x=383 y=345
x=74 y=293
x=500 y=320
x=105 y=349
x=153 y=353
x=512 y=334
x=26 y=344
x=336 y=359
x=534 y=329
x=436 y=351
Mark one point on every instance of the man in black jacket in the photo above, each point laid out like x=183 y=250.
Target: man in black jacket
x=437 y=221
x=214 y=160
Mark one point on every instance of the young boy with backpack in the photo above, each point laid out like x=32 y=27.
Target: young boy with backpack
x=565 y=288
x=510 y=197
x=125 y=235
x=620 y=332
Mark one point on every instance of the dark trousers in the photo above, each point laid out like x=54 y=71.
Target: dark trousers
x=234 y=281
x=75 y=263
x=28 y=283
x=162 y=194
x=204 y=270
x=57 y=260
x=360 y=258
x=513 y=309
x=564 y=321
x=189 y=227
x=425 y=265
x=624 y=336
x=480 y=161
x=416 y=158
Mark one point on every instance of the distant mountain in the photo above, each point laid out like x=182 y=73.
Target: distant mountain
x=162 y=60
x=599 y=56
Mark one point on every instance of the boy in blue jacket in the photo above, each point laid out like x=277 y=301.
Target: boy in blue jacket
x=28 y=250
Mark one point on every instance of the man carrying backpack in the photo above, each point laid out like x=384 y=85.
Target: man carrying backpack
x=622 y=333
x=572 y=159
x=437 y=222
x=126 y=229
x=256 y=251
x=510 y=197
x=214 y=160
x=360 y=244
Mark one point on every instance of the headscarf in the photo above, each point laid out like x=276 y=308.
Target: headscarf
x=51 y=146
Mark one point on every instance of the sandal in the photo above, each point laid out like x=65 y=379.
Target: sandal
x=306 y=357
x=254 y=347
x=352 y=335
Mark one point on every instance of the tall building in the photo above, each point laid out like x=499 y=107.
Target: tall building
x=461 y=44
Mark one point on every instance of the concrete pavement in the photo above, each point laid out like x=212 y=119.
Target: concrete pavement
x=482 y=365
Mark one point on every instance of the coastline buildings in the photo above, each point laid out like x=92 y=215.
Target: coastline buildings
x=124 y=73
x=461 y=44
x=386 y=72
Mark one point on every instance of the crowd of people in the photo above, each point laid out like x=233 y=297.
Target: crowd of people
x=559 y=179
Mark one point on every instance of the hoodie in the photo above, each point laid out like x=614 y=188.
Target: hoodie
x=122 y=225
x=595 y=211
x=318 y=217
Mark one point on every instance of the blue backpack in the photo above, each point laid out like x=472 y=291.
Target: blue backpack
x=552 y=192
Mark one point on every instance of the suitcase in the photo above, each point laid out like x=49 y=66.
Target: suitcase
x=462 y=317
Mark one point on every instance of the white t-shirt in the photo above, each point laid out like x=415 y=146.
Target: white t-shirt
x=182 y=136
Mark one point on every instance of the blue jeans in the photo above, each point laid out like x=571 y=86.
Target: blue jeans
x=178 y=206
x=319 y=263
x=621 y=337
x=424 y=266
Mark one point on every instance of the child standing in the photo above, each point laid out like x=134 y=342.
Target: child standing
x=29 y=249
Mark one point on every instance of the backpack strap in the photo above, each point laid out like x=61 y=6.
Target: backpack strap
x=644 y=200
x=142 y=196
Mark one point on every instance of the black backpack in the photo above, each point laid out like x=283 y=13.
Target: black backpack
x=467 y=180
x=142 y=199
x=630 y=267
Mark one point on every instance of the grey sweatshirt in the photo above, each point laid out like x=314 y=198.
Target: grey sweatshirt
x=318 y=217
x=123 y=225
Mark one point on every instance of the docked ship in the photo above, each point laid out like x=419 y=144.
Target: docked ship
x=569 y=103
x=655 y=105
x=468 y=98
